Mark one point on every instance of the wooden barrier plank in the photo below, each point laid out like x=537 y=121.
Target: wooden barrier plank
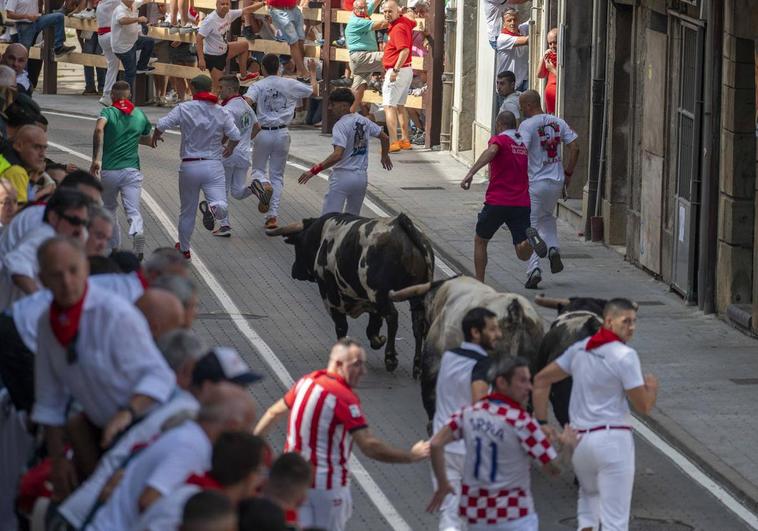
x=413 y=102
x=342 y=55
x=34 y=53
x=343 y=17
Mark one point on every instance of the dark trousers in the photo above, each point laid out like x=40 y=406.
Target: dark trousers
x=16 y=365
x=92 y=45
x=129 y=59
x=313 y=116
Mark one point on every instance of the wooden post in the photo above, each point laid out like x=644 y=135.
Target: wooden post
x=434 y=66
x=330 y=68
x=49 y=66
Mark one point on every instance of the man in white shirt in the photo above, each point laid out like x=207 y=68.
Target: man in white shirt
x=461 y=382
x=506 y=90
x=17 y=57
x=607 y=375
x=86 y=348
x=165 y=465
x=543 y=133
x=204 y=125
x=29 y=22
x=350 y=134
x=103 y=15
x=275 y=98
x=237 y=165
x=212 y=49
x=126 y=41
x=513 y=50
x=493 y=13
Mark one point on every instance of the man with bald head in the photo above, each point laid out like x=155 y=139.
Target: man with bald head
x=162 y=309
x=95 y=347
x=398 y=73
x=180 y=452
x=16 y=57
x=548 y=176
x=26 y=156
x=322 y=407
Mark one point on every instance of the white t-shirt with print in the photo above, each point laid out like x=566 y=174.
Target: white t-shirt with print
x=244 y=118
x=214 y=28
x=352 y=132
x=123 y=37
x=543 y=135
x=275 y=98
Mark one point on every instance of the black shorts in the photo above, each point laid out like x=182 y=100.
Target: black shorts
x=215 y=61
x=492 y=218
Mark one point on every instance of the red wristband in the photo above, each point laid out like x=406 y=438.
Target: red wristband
x=316 y=169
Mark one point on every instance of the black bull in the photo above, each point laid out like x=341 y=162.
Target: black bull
x=356 y=262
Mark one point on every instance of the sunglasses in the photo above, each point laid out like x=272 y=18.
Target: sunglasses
x=75 y=220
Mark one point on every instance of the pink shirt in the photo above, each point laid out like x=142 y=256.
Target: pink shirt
x=509 y=176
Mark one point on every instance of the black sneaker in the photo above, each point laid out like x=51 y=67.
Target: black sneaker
x=535 y=277
x=145 y=70
x=556 y=266
x=247 y=32
x=63 y=50
x=538 y=244
x=208 y=220
x=224 y=231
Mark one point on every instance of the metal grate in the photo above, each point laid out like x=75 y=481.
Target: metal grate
x=744 y=381
x=576 y=256
x=421 y=188
x=220 y=316
x=651 y=303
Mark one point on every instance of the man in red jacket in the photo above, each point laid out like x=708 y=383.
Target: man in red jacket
x=398 y=75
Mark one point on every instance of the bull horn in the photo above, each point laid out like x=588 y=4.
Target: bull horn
x=547 y=302
x=411 y=291
x=292 y=228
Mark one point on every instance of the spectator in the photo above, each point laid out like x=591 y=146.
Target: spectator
x=16 y=57
x=29 y=22
x=493 y=13
x=91 y=45
x=549 y=70
x=512 y=49
x=23 y=111
x=260 y=514
x=185 y=290
x=398 y=74
x=126 y=41
x=237 y=471
x=8 y=202
x=364 y=54
x=8 y=92
x=25 y=155
x=99 y=232
x=208 y=510
x=288 y=20
x=165 y=261
x=288 y=483
x=162 y=309
x=506 y=90
x=104 y=14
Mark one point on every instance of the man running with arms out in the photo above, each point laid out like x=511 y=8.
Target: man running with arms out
x=322 y=407
x=119 y=131
x=607 y=375
x=203 y=125
x=275 y=98
x=543 y=133
x=507 y=197
x=212 y=49
x=236 y=165
x=499 y=436
x=349 y=178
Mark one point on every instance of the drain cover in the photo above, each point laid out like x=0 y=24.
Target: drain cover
x=575 y=256
x=220 y=316
x=651 y=303
x=413 y=161
x=421 y=188
x=745 y=381
x=643 y=524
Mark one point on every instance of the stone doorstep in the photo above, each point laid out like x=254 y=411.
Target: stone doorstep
x=741 y=315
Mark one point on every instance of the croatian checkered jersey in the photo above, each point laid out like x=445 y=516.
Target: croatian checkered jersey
x=500 y=437
x=324 y=411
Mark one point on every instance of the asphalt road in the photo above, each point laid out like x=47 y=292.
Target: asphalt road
x=287 y=322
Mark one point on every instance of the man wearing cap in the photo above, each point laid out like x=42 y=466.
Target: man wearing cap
x=204 y=125
x=198 y=371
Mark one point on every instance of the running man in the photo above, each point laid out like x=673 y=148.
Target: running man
x=325 y=418
x=507 y=198
x=349 y=178
x=204 y=124
x=236 y=165
x=212 y=49
x=275 y=98
x=607 y=376
x=500 y=436
x=119 y=131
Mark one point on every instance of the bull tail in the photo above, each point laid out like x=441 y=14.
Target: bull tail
x=419 y=241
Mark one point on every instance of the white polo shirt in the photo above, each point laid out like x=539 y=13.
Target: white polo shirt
x=164 y=465
x=25 y=220
x=245 y=119
x=601 y=378
x=22 y=260
x=214 y=28
x=543 y=135
x=123 y=37
x=352 y=132
x=275 y=98
x=23 y=7
x=203 y=125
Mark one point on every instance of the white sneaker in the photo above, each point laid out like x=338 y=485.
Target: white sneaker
x=5 y=37
x=88 y=14
x=138 y=245
x=105 y=101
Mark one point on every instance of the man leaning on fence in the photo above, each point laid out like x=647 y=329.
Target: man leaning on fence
x=29 y=22
x=365 y=57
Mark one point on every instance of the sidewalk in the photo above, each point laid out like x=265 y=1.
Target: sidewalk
x=708 y=370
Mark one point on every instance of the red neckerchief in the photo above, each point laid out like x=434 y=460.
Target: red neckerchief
x=205 y=482
x=290 y=518
x=509 y=32
x=600 y=338
x=125 y=106
x=500 y=397
x=205 y=96
x=142 y=279
x=230 y=98
x=65 y=321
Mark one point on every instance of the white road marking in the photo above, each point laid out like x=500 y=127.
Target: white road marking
x=364 y=479
x=361 y=474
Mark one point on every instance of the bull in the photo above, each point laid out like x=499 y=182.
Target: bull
x=356 y=262
x=446 y=302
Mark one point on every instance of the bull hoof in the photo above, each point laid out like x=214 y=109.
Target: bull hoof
x=377 y=342
x=390 y=362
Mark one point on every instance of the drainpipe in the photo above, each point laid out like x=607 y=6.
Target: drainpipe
x=448 y=77
x=599 y=42
x=712 y=12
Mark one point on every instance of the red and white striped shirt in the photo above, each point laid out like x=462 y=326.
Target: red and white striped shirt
x=323 y=412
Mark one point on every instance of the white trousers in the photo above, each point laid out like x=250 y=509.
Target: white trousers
x=450 y=520
x=327 y=509
x=544 y=195
x=604 y=466
x=111 y=73
x=346 y=192
x=527 y=523
x=235 y=172
x=205 y=175
x=270 y=148
x=127 y=182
